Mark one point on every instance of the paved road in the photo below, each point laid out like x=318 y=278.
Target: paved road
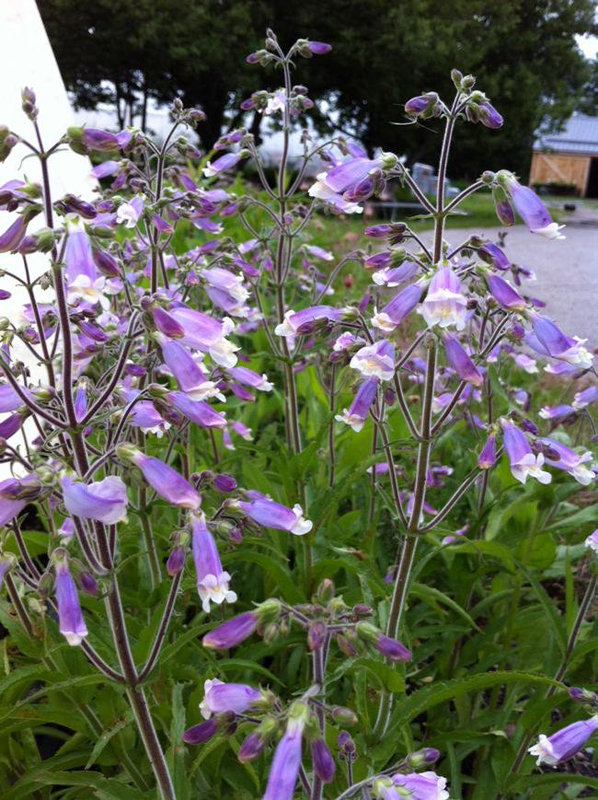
x=567 y=272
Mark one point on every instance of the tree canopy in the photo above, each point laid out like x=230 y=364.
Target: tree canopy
x=523 y=53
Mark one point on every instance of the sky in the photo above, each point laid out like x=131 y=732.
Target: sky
x=588 y=45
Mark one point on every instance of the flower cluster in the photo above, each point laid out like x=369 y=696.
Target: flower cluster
x=159 y=338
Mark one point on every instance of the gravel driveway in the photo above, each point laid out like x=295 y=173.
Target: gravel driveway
x=567 y=272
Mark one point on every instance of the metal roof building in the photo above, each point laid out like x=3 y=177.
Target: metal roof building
x=569 y=157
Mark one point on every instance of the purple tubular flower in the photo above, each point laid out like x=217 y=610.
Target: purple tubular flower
x=198 y=411
x=222 y=164
x=319 y=48
x=324 y=766
x=393 y=276
x=564 y=744
x=379 y=231
x=504 y=294
x=549 y=340
x=305 y=321
x=422 y=786
x=286 y=763
x=187 y=372
x=199 y=734
x=176 y=560
x=252 y=746
x=166 y=481
x=70 y=618
x=105 y=169
x=487 y=457
x=167 y=324
x=274 y=515
x=319 y=252
x=12 y=236
x=231 y=633
x=88 y=584
x=145 y=416
x=106 y=264
x=584 y=398
x=376 y=360
x=350 y=173
x=557 y=413
x=12 y=424
x=461 y=362
x=378 y=260
x=220 y=697
x=444 y=304
x=522 y=460
x=105 y=501
x=103 y=141
x=398 y=309
x=504 y=211
x=562 y=457
x=11 y=503
x=205 y=333
x=81 y=400
x=490 y=117
x=225 y=483
x=416 y=105
x=9 y=399
x=212 y=580
x=494 y=255
x=356 y=415
x=78 y=257
x=250 y=378
x=391 y=649
x=531 y=209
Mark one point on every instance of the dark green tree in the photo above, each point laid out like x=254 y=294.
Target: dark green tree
x=385 y=51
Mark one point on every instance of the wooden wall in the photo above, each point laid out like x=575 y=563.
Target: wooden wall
x=560 y=168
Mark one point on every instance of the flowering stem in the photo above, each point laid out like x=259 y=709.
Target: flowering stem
x=163 y=628
x=331 y=450
x=407 y=557
x=318 y=668
x=465 y=193
x=561 y=671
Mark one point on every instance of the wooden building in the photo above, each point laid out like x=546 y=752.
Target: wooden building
x=568 y=158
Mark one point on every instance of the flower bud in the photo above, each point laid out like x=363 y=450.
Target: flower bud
x=428 y=755
x=344 y=716
x=254 y=744
x=88 y=583
x=324 y=766
x=583 y=695
x=316 y=635
x=176 y=560
x=28 y=103
x=325 y=591
x=225 y=483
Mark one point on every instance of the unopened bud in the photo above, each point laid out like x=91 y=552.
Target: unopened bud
x=316 y=635
x=344 y=716
x=325 y=591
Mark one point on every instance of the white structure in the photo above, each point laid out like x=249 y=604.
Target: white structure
x=26 y=59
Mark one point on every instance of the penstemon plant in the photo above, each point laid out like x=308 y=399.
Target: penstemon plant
x=138 y=449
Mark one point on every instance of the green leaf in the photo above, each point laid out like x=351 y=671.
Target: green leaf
x=549 y=607
x=553 y=778
x=432 y=595
x=278 y=572
x=389 y=678
x=431 y=696
x=108 y=733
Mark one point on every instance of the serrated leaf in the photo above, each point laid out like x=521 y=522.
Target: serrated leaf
x=431 y=696
x=108 y=733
